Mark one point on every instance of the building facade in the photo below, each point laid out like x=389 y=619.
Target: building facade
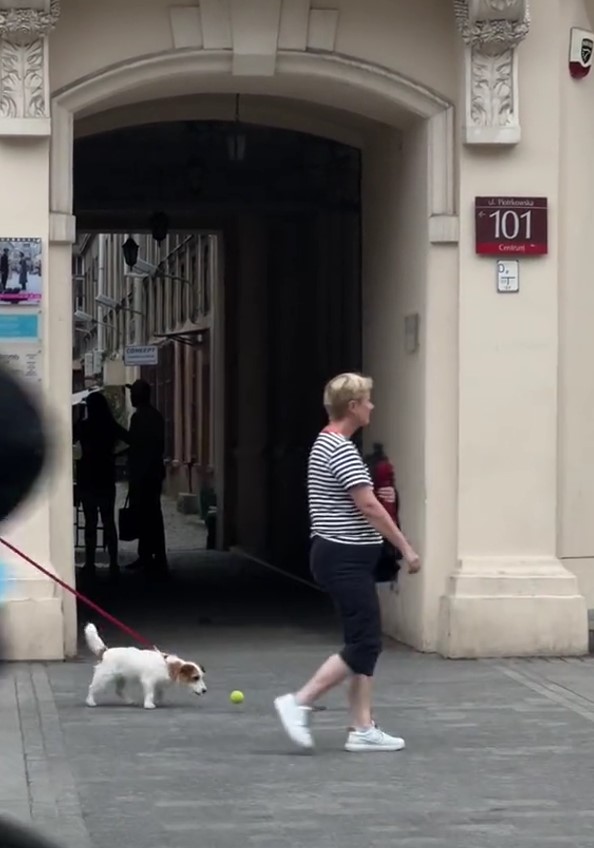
x=165 y=302
x=484 y=393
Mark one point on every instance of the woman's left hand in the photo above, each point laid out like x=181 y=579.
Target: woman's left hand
x=387 y=494
x=414 y=564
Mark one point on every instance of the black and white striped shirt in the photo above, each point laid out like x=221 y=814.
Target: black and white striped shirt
x=335 y=467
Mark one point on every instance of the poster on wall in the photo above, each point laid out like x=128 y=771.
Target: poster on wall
x=21 y=271
x=24 y=361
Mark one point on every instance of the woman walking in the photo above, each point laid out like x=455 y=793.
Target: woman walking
x=98 y=435
x=348 y=524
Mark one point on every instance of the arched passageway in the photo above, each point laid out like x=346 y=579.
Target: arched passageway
x=403 y=137
x=285 y=208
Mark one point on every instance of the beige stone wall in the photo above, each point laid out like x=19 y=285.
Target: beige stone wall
x=490 y=419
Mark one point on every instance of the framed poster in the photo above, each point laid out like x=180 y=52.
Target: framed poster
x=21 y=271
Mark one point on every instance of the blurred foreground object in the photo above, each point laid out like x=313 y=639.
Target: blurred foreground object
x=24 y=444
x=13 y=835
x=23 y=455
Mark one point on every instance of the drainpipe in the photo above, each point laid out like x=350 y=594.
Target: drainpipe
x=101 y=290
x=138 y=304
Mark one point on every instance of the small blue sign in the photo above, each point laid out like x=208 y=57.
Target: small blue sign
x=15 y=327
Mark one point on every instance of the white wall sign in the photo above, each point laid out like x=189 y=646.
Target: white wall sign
x=88 y=363
x=508 y=276
x=25 y=360
x=141 y=355
x=97 y=364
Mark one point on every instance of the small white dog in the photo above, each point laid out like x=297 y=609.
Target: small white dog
x=152 y=669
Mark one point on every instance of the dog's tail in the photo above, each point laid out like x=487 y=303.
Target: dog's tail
x=96 y=644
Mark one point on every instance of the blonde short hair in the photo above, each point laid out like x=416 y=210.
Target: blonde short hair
x=342 y=390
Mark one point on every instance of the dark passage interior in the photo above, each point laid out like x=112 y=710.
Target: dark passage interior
x=286 y=206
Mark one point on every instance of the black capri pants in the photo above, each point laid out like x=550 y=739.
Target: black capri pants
x=347 y=573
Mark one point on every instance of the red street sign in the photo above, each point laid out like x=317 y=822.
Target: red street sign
x=511 y=226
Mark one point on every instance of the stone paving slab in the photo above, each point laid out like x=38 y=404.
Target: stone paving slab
x=499 y=753
x=36 y=784
x=489 y=758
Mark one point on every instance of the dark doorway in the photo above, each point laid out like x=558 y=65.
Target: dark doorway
x=287 y=205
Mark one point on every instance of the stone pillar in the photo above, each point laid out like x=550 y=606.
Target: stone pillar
x=509 y=593
x=492 y=31
x=34 y=613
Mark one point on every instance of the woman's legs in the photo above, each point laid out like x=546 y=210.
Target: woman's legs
x=346 y=572
x=360 y=691
x=330 y=674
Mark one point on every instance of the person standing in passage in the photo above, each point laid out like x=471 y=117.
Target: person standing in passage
x=146 y=471
x=348 y=524
x=98 y=435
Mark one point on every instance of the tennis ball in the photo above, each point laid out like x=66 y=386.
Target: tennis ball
x=236 y=697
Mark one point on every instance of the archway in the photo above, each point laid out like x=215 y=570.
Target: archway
x=331 y=80
x=354 y=87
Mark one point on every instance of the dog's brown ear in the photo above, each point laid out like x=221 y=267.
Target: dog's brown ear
x=174 y=667
x=187 y=671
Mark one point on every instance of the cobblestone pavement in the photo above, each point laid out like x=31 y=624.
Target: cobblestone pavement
x=37 y=787
x=499 y=753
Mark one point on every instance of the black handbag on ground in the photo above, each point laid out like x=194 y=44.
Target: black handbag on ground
x=127 y=523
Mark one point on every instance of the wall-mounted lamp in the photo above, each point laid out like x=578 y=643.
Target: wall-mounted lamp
x=159 y=224
x=130 y=250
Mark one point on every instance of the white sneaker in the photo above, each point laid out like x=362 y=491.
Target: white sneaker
x=294 y=719
x=374 y=739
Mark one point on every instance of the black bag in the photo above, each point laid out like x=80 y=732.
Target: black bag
x=127 y=523
x=388 y=564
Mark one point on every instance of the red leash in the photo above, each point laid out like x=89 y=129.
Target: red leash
x=112 y=620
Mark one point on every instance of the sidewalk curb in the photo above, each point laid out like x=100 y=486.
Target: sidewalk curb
x=53 y=796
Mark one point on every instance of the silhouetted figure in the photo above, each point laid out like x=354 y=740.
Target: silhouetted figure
x=146 y=472
x=4 y=270
x=23 y=272
x=98 y=435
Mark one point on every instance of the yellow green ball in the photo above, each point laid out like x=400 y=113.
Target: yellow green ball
x=236 y=697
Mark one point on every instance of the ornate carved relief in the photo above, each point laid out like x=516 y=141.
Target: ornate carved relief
x=24 y=88
x=492 y=31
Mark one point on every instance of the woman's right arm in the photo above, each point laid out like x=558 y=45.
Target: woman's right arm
x=367 y=503
x=352 y=473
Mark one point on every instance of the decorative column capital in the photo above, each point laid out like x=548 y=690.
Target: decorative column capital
x=24 y=80
x=23 y=25
x=492 y=30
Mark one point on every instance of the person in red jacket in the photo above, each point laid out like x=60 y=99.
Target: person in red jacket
x=384 y=485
